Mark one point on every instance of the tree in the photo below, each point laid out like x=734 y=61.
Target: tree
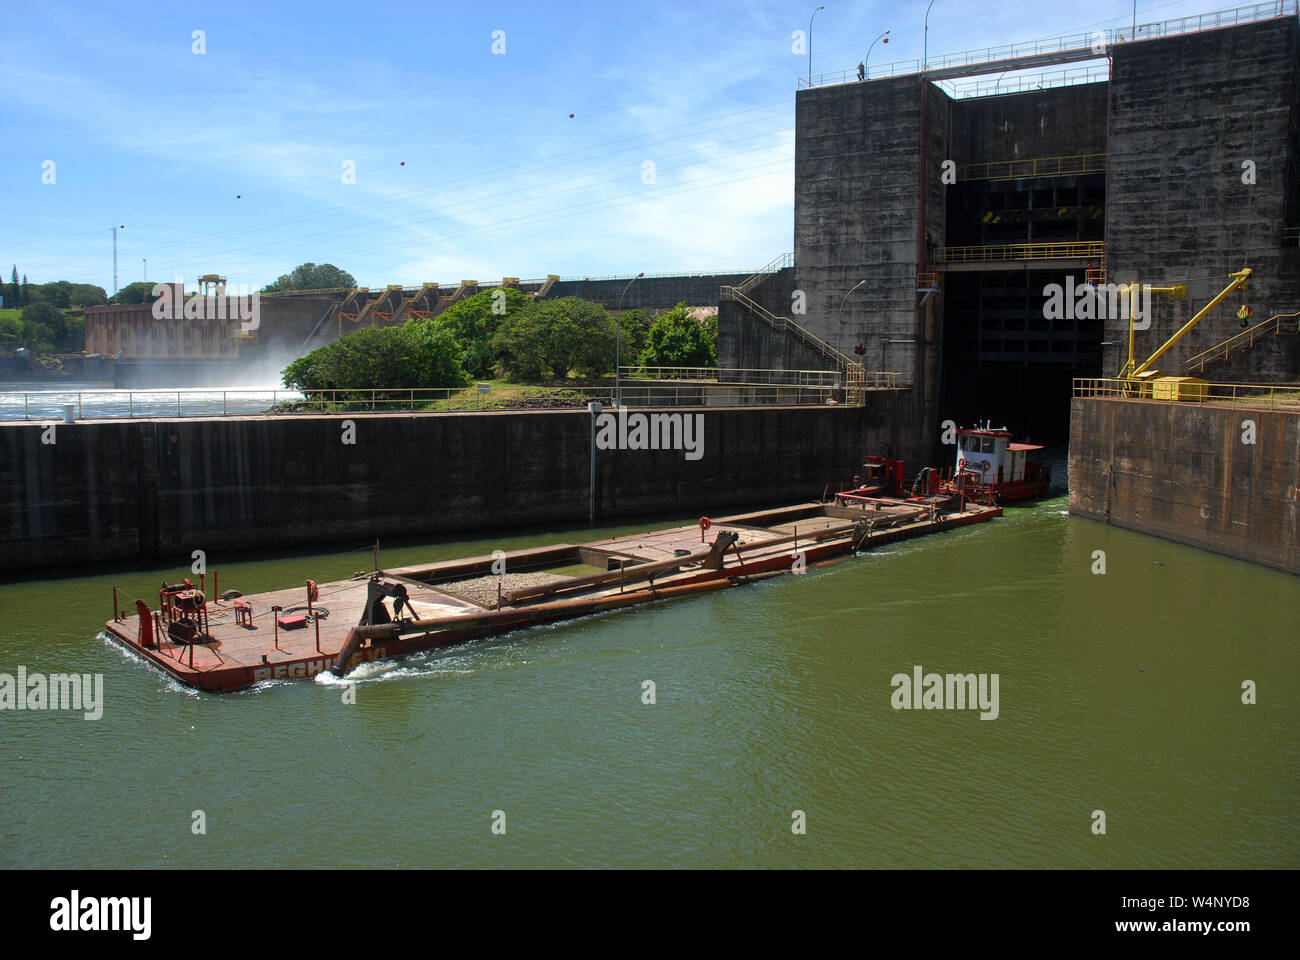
x=436 y=356
x=677 y=340
x=423 y=353
x=87 y=295
x=11 y=332
x=138 y=292
x=634 y=327
x=555 y=337
x=475 y=321
x=14 y=294
x=309 y=276
x=64 y=293
x=73 y=338
x=44 y=328
x=58 y=293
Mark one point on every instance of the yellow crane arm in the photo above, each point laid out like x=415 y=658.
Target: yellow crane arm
x=1238 y=281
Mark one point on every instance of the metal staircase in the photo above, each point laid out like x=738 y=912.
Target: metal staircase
x=544 y=290
x=783 y=262
x=1271 y=327
x=850 y=371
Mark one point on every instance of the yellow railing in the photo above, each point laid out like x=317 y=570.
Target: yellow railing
x=734 y=375
x=875 y=380
x=1072 y=250
x=1242 y=341
x=780 y=263
x=292 y=293
x=1266 y=396
x=1036 y=167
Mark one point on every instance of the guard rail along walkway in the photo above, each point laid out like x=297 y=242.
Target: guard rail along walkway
x=1033 y=168
x=1091 y=45
x=1258 y=396
x=672 y=387
x=1005 y=252
x=740 y=376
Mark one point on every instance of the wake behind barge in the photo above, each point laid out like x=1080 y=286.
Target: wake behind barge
x=237 y=641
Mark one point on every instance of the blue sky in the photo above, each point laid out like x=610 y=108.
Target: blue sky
x=467 y=163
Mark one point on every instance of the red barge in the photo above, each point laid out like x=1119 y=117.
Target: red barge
x=236 y=641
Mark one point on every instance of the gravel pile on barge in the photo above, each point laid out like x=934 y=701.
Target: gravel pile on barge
x=483 y=590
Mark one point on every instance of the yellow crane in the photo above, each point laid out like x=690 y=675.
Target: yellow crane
x=1144 y=379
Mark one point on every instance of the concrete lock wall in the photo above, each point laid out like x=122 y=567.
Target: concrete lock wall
x=1186 y=113
x=121 y=491
x=1183 y=472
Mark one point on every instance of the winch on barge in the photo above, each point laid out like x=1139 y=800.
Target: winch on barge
x=235 y=641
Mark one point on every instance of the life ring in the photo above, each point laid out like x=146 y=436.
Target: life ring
x=313 y=592
x=705 y=523
x=961 y=464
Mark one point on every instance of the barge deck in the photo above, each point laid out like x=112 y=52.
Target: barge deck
x=236 y=641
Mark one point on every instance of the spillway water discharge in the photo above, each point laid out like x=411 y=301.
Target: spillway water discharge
x=45 y=400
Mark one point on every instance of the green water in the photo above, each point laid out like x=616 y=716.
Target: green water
x=1119 y=692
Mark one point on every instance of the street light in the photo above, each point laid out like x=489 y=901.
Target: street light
x=846 y=298
x=925 y=40
x=810 y=20
x=594 y=408
x=840 y=312
x=866 y=63
x=618 y=342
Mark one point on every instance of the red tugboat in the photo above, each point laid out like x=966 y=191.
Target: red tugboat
x=992 y=469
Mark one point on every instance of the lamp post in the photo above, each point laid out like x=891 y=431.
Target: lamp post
x=618 y=342
x=810 y=20
x=846 y=298
x=116 y=227
x=925 y=40
x=866 y=63
x=594 y=408
x=840 y=312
